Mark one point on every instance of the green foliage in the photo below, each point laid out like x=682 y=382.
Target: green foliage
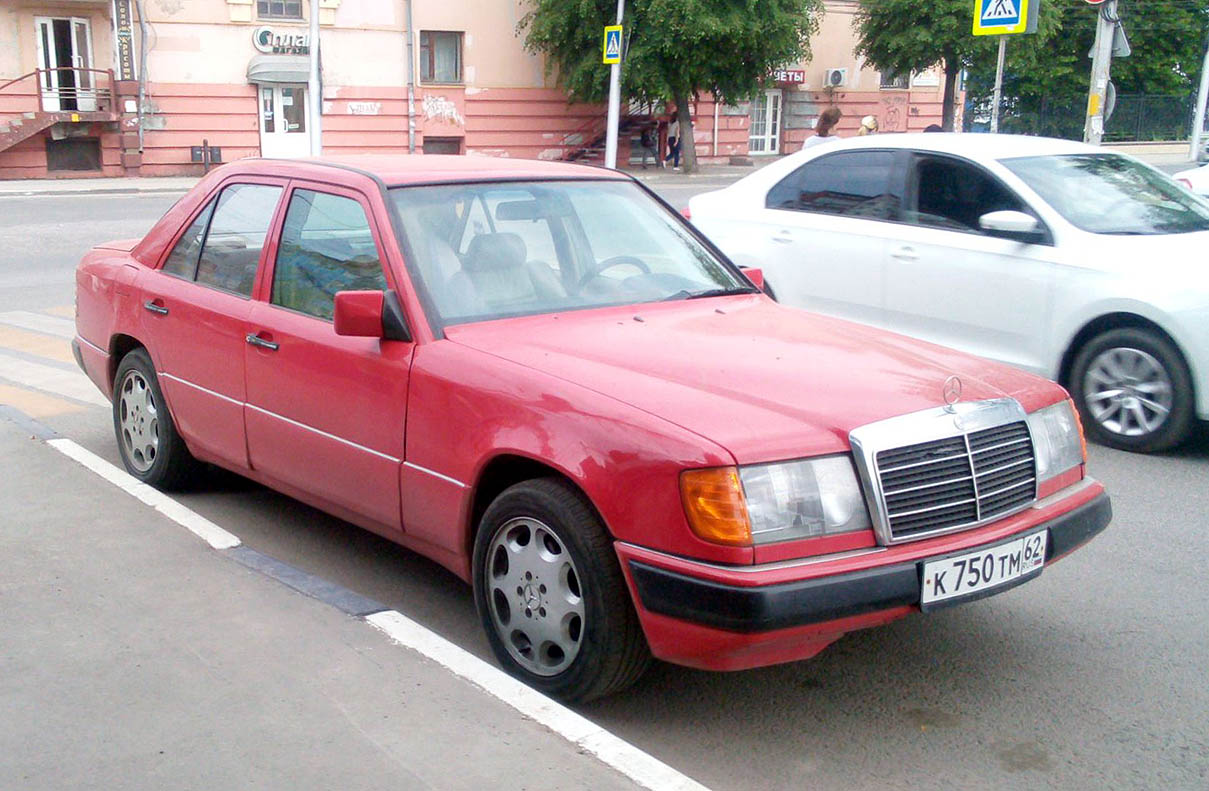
x=676 y=48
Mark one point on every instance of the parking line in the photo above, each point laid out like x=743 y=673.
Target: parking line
x=636 y=764
x=641 y=767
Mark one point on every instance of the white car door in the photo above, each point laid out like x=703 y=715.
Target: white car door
x=949 y=282
x=819 y=233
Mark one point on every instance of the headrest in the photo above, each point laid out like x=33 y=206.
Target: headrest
x=494 y=251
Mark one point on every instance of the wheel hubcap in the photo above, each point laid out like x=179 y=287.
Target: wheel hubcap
x=138 y=420
x=1128 y=392
x=534 y=596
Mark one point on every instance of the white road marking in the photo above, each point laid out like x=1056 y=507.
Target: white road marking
x=72 y=384
x=40 y=322
x=192 y=521
x=641 y=767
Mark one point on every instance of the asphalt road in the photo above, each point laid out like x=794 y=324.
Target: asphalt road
x=1092 y=676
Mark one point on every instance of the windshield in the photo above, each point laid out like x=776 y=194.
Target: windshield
x=486 y=251
x=1107 y=193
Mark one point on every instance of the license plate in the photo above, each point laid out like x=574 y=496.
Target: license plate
x=961 y=576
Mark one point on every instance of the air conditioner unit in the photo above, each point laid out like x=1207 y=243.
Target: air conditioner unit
x=836 y=78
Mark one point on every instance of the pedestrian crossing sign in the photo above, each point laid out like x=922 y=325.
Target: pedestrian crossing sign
x=1005 y=17
x=612 y=44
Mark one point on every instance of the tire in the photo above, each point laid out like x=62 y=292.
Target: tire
x=1133 y=390
x=551 y=595
x=148 y=442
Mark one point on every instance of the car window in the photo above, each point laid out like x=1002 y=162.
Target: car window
x=182 y=261
x=551 y=246
x=856 y=183
x=1110 y=194
x=326 y=246
x=237 y=232
x=954 y=195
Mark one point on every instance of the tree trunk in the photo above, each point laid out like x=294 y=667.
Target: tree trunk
x=688 y=150
x=952 y=69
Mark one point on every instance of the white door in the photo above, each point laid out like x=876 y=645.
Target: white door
x=765 y=136
x=950 y=283
x=283 y=121
x=64 y=47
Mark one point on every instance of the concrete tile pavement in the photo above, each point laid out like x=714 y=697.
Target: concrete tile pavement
x=134 y=657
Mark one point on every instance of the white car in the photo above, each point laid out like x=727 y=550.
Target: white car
x=1196 y=179
x=1079 y=264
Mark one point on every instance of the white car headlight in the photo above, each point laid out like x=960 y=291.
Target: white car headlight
x=1057 y=438
x=803 y=499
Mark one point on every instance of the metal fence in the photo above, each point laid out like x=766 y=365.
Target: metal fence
x=1136 y=117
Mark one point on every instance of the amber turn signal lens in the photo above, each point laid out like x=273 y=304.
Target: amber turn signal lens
x=714 y=505
x=1079 y=424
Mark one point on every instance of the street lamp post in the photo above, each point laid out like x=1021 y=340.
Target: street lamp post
x=614 y=102
x=313 y=87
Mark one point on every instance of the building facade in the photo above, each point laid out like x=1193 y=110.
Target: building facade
x=157 y=87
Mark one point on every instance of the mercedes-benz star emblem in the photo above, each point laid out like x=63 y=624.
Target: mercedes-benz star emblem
x=951 y=392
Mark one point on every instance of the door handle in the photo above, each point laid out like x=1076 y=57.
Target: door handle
x=155 y=306
x=905 y=254
x=784 y=237
x=256 y=340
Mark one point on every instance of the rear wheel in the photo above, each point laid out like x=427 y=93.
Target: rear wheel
x=151 y=449
x=1133 y=390
x=551 y=595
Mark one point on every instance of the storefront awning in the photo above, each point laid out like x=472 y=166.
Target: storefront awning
x=279 y=68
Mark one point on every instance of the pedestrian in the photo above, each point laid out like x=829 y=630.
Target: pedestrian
x=933 y=128
x=823 y=129
x=868 y=126
x=673 y=142
x=647 y=142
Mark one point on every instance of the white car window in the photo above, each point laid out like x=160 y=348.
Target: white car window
x=856 y=183
x=953 y=194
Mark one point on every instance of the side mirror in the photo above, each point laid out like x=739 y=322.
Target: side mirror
x=1013 y=225
x=755 y=275
x=369 y=314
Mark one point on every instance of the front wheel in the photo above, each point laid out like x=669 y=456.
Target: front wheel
x=1133 y=390
x=551 y=595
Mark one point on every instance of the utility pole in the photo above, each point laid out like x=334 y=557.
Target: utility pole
x=998 y=85
x=1106 y=23
x=1198 y=121
x=614 y=102
x=313 y=88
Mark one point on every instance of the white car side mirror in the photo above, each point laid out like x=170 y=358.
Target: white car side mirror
x=1009 y=222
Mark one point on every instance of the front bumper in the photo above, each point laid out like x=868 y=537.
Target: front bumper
x=728 y=623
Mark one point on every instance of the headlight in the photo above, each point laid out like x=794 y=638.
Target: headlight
x=766 y=503
x=1058 y=439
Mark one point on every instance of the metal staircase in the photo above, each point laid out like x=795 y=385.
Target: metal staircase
x=79 y=96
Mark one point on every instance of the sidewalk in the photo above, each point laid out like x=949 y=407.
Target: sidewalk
x=135 y=657
x=97 y=186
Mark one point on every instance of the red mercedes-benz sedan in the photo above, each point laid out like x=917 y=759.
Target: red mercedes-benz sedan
x=541 y=377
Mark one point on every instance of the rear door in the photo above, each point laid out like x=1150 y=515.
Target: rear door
x=326 y=413
x=949 y=282
x=195 y=308
x=826 y=227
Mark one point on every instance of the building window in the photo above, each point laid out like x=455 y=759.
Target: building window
x=279 y=9
x=440 y=56
x=894 y=79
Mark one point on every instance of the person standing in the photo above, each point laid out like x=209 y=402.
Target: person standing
x=647 y=142
x=673 y=142
x=823 y=129
x=868 y=126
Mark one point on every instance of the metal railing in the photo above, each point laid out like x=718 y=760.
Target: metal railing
x=90 y=90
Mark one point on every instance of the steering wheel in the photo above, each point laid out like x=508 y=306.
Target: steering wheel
x=609 y=263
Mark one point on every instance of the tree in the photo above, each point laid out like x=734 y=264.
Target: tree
x=677 y=49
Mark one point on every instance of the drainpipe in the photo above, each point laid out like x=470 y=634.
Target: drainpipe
x=716 y=127
x=411 y=83
x=314 y=87
x=138 y=4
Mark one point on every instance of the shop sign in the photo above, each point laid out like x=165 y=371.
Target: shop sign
x=290 y=41
x=124 y=28
x=789 y=76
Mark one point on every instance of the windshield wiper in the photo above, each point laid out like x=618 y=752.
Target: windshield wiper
x=709 y=292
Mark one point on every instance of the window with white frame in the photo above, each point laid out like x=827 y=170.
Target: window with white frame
x=279 y=9
x=440 y=56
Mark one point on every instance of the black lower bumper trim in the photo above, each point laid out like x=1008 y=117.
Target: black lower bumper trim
x=768 y=607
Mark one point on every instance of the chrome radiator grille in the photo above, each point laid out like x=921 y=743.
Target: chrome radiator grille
x=949 y=483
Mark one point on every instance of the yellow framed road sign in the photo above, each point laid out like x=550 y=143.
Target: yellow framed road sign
x=1005 y=17
x=612 y=44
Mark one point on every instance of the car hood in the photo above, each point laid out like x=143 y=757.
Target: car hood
x=764 y=381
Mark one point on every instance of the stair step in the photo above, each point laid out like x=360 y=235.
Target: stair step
x=30 y=115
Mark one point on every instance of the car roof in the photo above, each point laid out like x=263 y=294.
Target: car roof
x=967 y=144
x=405 y=169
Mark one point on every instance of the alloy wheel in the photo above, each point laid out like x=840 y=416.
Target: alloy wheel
x=138 y=419
x=1128 y=391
